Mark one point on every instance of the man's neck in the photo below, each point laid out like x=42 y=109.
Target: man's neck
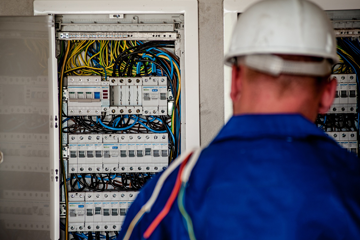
x=271 y=105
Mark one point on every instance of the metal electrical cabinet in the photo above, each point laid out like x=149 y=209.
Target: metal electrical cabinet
x=32 y=90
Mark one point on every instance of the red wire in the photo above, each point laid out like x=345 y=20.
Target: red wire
x=169 y=202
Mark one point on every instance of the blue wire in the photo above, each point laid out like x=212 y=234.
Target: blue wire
x=357 y=79
x=353 y=47
x=117 y=129
x=172 y=135
x=65 y=120
x=152 y=130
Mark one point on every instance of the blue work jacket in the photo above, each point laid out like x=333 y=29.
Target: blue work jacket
x=263 y=177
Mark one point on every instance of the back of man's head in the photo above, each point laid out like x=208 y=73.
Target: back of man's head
x=282 y=52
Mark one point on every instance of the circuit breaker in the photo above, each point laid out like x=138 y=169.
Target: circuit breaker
x=346 y=94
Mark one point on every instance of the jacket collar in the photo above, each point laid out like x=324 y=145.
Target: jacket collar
x=269 y=125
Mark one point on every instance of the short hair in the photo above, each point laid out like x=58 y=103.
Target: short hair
x=287 y=82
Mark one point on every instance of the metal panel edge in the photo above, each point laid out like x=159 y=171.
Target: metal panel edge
x=54 y=136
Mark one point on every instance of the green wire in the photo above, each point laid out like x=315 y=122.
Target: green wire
x=189 y=224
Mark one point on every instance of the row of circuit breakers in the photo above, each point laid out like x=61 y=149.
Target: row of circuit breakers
x=98 y=211
x=346 y=94
x=117 y=153
x=90 y=96
x=347 y=140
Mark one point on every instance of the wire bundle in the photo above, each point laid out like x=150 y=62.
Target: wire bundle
x=126 y=58
x=337 y=122
x=107 y=181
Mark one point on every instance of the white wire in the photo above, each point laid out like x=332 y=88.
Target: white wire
x=185 y=175
x=148 y=205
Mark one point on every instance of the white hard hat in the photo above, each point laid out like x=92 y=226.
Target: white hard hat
x=290 y=27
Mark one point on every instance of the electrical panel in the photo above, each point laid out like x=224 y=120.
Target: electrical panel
x=120 y=101
x=342 y=120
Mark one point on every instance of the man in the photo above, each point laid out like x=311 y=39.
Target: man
x=270 y=173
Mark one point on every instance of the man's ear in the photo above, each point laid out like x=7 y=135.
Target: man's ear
x=327 y=96
x=235 y=83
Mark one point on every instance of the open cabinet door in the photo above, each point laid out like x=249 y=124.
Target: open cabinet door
x=25 y=140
